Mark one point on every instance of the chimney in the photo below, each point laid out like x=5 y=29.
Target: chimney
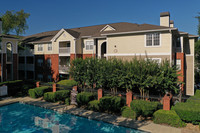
x=165 y=19
x=171 y=23
x=0 y=26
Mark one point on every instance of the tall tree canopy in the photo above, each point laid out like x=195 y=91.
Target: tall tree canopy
x=197 y=54
x=15 y=22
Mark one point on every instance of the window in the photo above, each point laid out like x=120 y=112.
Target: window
x=49 y=46
x=178 y=64
x=40 y=47
x=178 y=42
x=48 y=62
x=40 y=77
x=49 y=78
x=153 y=39
x=157 y=60
x=40 y=62
x=89 y=45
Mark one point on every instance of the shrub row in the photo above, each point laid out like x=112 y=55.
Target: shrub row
x=128 y=112
x=168 y=117
x=84 y=98
x=60 y=95
x=38 y=92
x=69 y=83
x=94 y=105
x=144 y=108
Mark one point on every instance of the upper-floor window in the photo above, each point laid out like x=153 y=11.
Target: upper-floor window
x=40 y=62
x=89 y=45
x=178 y=64
x=40 y=47
x=153 y=39
x=178 y=42
x=49 y=46
x=48 y=62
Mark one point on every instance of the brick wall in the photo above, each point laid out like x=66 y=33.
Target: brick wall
x=181 y=56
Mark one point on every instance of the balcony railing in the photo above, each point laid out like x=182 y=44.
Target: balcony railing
x=27 y=52
x=28 y=67
x=63 y=69
x=64 y=50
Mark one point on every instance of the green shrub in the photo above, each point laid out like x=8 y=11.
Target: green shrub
x=49 y=97
x=168 y=117
x=84 y=98
x=94 y=105
x=128 y=112
x=111 y=104
x=41 y=90
x=144 y=108
x=31 y=93
x=67 y=83
x=189 y=112
x=61 y=95
x=67 y=101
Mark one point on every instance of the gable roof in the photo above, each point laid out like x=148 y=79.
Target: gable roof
x=94 y=31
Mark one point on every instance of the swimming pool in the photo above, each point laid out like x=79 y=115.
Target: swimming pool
x=23 y=118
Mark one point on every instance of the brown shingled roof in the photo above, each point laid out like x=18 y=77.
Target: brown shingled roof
x=93 y=31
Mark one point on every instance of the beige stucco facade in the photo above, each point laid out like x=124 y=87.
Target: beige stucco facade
x=14 y=43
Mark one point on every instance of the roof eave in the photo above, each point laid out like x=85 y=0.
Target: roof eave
x=143 y=31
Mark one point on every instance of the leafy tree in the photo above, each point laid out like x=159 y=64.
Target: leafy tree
x=15 y=21
x=197 y=54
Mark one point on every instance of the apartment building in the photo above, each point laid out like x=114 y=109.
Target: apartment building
x=53 y=50
x=8 y=56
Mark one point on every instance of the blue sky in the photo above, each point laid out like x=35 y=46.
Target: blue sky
x=46 y=15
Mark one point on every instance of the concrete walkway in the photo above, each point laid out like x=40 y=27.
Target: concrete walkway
x=147 y=126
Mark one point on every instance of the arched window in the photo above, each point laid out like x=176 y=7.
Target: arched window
x=9 y=51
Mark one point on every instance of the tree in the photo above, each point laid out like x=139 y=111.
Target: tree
x=15 y=22
x=197 y=54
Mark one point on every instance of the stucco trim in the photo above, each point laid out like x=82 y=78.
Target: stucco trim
x=107 y=27
x=59 y=33
x=137 y=54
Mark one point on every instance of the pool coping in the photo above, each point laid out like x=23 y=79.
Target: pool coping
x=146 y=126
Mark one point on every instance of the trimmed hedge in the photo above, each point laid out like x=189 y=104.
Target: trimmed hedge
x=189 y=112
x=38 y=92
x=128 y=112
x=144 y=108
x=94 y=105
x=84 y=98
x=57 y=96
x=168 y=117
x=67 y=101
x=111 y=104
x=67 y=83
x=49 y=97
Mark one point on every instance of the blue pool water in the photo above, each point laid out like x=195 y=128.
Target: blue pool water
x=23 y=118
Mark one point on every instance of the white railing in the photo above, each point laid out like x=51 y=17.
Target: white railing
x=63 y=69
x=3 y=90
x=64 y=50
x=27 y=52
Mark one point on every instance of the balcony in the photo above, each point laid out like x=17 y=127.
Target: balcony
x=26 y=52
x=64 y=51
x=63 y=69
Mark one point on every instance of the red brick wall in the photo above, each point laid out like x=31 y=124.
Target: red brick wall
x=54 y=70
x=15 y=63
x=181 y=56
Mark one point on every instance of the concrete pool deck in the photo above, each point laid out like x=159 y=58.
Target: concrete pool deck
x=147 y=126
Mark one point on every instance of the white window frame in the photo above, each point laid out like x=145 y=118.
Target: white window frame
x=40 y=62
x=49 y=46
x=40 y=47
x=154 y=59
x=178 y=64
x=153 y=39
x=89 y=44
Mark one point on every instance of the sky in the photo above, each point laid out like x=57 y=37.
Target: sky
x=47 y=15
